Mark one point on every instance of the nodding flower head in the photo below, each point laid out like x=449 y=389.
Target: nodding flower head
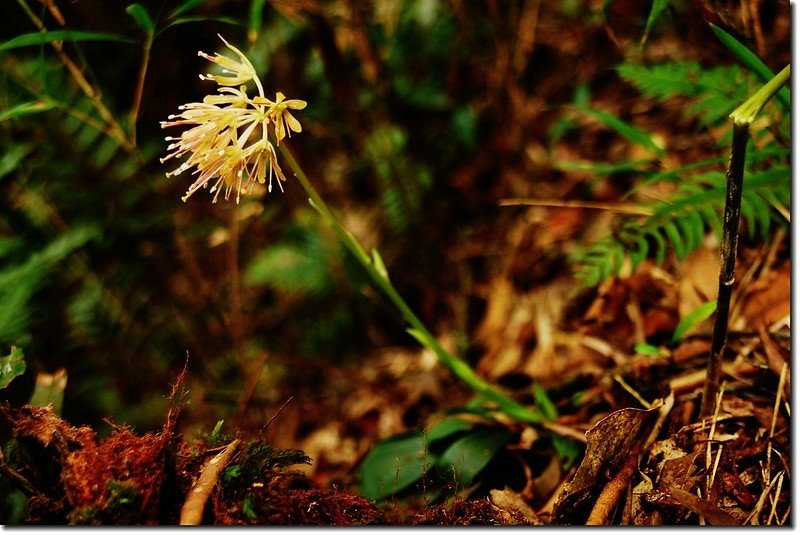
x=227 y=141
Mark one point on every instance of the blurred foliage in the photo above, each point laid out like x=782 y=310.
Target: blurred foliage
x=420 y=115
x=680 y=218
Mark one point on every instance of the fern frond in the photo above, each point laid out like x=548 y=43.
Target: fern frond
x=681 y=224
x=717 y=91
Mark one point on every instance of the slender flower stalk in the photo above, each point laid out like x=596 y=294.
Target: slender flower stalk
x=379 y=275
x=219 y=147
x=228 y=143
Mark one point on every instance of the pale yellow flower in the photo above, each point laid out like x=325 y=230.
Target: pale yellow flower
x=227 y=143
x=239 y=72
x=285 y=123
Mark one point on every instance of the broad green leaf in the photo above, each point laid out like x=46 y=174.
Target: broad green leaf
x=26 y=108
x=394 y=465
x=752 y=62
x=142 y=18
x=448 y=427
x=39 y=38
x=11 y=366
x=470 y=454
x=699 y=314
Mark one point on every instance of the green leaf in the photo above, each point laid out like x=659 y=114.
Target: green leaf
x=544 y=403
x=249 y=507
x=677 y=241
x=256 y=16
x=292 y=267
x=184 y=7
x=26 y=108
x=752 y=62
x=567 y=450
x=470 y=454
x=39 y=38
x=655 y=11
x=602 y=168
x=186 y=20
x=647 y=349
x=142 y=18
x=394 y=465
x=12 y=158
x=628 y=131
x=11 y=366
x=19 y=282
x=447 y=428
x=699 y=314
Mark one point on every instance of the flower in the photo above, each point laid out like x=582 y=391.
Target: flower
x=285 y=123
x=227 y=143
x=241 y=71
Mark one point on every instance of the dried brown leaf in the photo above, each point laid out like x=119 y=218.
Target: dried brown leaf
x=609 y=444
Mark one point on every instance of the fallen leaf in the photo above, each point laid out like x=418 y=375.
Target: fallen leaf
x=609 y=444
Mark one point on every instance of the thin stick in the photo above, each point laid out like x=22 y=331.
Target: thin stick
x=730 y=238
x=192 y=510
x=622 y=208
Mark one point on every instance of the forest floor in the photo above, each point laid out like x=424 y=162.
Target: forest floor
x=640 y=454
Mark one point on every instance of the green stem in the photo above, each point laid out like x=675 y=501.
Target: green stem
x=137 y=94
x=747 y=112
x=418 y=330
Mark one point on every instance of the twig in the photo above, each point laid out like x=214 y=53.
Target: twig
x=609 y=496
x=192 y=510
x=277 y=413
x=622 y=208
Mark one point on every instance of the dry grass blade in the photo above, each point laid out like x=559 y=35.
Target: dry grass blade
x=622 y=208
x=192 y=510
x=713 y=514
x=762 y=500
